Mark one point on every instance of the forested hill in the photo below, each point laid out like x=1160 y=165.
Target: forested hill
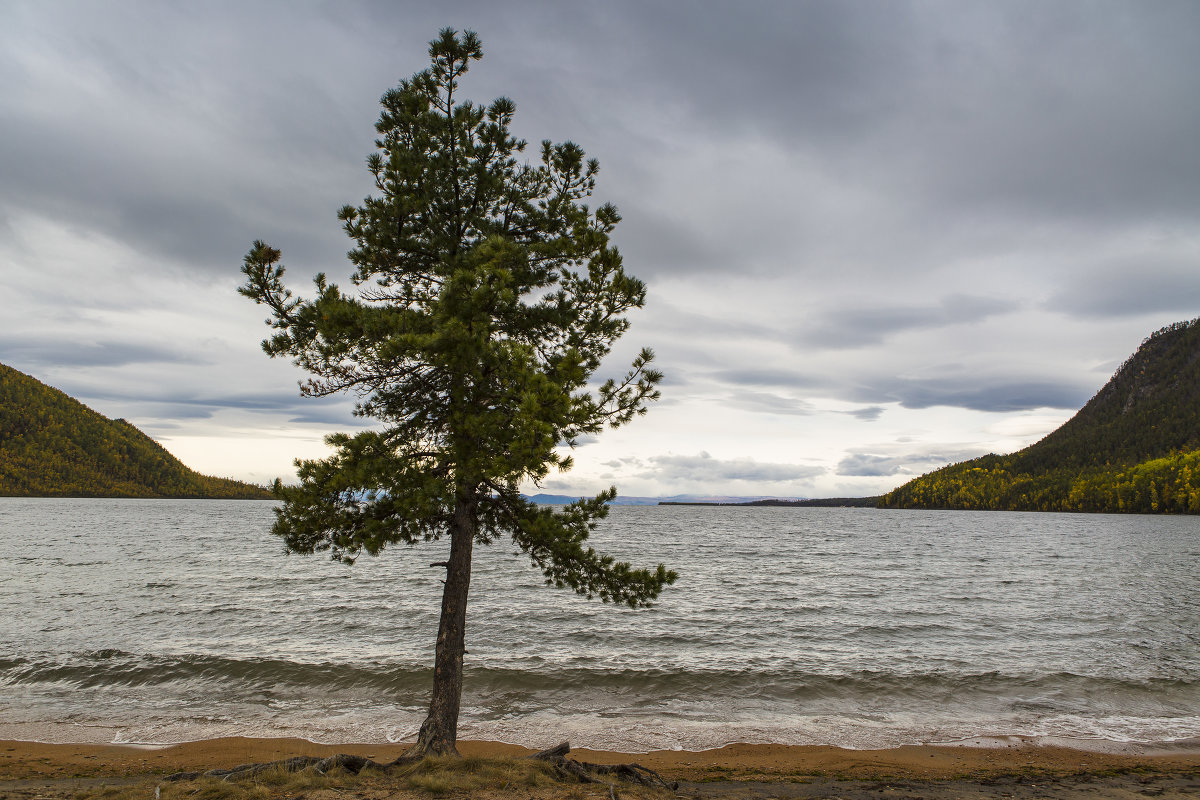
x=51 y=445
x=1134 y=447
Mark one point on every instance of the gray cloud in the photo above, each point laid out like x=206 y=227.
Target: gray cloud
x=617 y=463
x=871 y=465
x=960 y=117
x=706 y=325
x=867 y=413
x=1087 y=128
x=181 y=140
x=1010 y=188
x=1134 y=287
x=336 y=414
x=768 y=403
x=978 y=393
x=858 y=327
x=866 y=465
x=171 y=402
x=703 y=467
x=955 y=109
x=981 y=390
x=759 y=376
x=30 y=354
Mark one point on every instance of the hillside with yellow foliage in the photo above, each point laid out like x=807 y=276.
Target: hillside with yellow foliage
x=51 y=445
x=1135 y=447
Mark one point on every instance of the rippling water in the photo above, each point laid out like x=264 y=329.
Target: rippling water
x=165 y=620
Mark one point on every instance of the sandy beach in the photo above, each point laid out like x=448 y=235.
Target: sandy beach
x=1003 y=769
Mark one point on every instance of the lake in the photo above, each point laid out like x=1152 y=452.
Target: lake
x=158 y=621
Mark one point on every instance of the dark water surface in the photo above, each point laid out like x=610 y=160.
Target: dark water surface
x=167 y=620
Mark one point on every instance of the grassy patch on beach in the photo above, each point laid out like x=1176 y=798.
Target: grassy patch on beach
x=431 y=778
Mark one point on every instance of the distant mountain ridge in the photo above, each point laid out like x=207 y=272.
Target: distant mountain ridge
x=1134 y=447
x=562 y=499
x=52 y=445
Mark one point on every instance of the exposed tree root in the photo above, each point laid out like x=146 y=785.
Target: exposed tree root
x=593 y=773
x=580 y=771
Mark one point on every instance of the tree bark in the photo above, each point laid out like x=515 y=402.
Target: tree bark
x=439 y=732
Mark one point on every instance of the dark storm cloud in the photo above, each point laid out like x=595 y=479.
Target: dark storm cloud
x=1068 y=112
x=959 y=116
x=159 y=125
x=189 y=130
x=817 y=69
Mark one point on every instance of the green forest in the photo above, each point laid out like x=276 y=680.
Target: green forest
x=1134 y=448
x=51 y=445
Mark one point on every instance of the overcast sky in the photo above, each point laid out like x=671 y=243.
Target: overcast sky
x=878 y=236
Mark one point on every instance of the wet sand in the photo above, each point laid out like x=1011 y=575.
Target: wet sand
x=1009 y=768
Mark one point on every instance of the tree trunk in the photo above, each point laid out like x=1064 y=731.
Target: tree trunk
x=439 y=732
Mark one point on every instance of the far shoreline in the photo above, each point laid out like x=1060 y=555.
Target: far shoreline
x=128 y=497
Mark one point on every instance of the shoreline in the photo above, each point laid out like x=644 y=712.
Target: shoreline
x=977 y=759
x=1134 y=749
x=101 y=735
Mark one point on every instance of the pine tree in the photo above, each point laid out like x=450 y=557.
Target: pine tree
x=487 y=294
